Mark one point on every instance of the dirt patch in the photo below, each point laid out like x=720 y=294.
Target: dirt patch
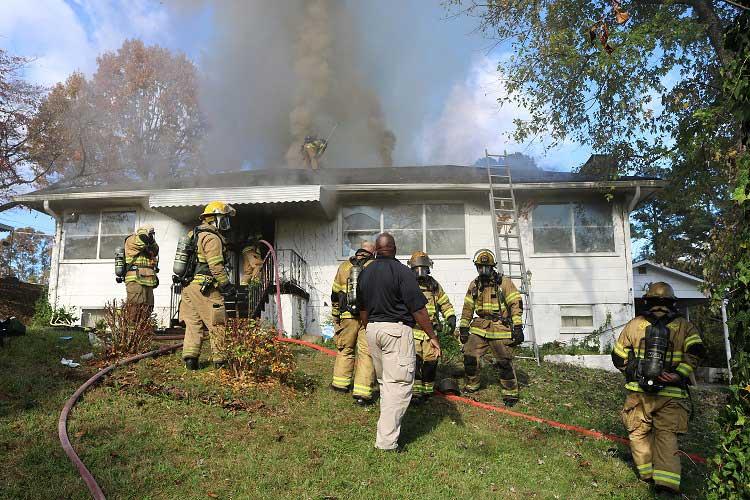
x=18 y=298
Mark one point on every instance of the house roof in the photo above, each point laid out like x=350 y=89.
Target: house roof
x=434 y=175
x=5 y=227
x=667 y=270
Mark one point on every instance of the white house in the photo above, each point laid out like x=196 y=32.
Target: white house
x=687 y=287
x=574 y=229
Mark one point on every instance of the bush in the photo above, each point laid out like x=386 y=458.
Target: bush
x=129 y=329
x=252 y=352
x=42 y=312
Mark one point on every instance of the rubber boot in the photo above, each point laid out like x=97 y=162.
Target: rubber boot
x=191 y=363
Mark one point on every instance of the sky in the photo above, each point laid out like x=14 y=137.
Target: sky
x=438 y=93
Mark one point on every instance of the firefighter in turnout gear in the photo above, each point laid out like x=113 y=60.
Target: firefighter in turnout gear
x=142 y=264
x=202 y=306
x=498 y=325
x=658 y=352
x=437 y=305
x=349 y=333
x=251 y=263
x=312 y=149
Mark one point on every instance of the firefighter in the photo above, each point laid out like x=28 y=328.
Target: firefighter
x=141 y=261
x=312 y=149
x=437 y=305
x=658 y=352
x=202 y=306
x=498 y=325
x=251 y=262
x=349 y=334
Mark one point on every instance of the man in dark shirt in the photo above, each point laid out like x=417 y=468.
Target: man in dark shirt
x=390 y=302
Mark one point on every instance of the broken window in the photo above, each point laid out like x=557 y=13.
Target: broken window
x=573 y=228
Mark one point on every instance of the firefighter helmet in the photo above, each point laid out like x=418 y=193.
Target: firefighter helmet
x=218 y=208
x=484 y=257
x=660 y=290
x=419 y=259
x=145 y=229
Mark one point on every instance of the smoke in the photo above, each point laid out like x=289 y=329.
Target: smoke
x=275 y=72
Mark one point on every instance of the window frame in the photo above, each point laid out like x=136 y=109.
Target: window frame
x=614 y=252
x=340 y=243
x=99 y=213
x=577 y=329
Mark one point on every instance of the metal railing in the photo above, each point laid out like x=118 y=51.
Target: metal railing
x=293 y=269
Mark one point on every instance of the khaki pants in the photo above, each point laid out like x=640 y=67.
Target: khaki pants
x=140 y=294
x=201 y=313
x=350 y=336
x=392 y=351
x=653 y=423
x=475 y=348
x=427 y=361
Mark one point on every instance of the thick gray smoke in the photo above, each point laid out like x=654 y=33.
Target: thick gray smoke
x=278 y=71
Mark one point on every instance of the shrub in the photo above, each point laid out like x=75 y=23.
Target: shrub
x=129 y=329
x=42 y=312
x=251 y=351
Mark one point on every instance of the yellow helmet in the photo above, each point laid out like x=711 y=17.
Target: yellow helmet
x=218 y=208
x=484 y=257
x=419 y=259
x=145 y=229
x=660 y=290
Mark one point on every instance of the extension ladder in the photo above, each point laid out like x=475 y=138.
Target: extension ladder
x=508 y=242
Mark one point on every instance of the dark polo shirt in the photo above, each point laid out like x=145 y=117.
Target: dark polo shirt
x=389 y=292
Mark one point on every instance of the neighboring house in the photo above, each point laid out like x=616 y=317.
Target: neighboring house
x=575 y=233
x=686 y=286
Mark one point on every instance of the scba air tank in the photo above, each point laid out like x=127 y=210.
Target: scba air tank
x=120 y=267
x=183 y=256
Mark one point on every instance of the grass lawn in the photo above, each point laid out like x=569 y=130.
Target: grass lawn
x=153 y=430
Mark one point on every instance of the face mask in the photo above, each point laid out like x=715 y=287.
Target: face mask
x=222 y=223
x=485 y=272
x=421 y=272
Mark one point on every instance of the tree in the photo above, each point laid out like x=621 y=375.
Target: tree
x=19 y=101
x=136 y=119
x=25 y=253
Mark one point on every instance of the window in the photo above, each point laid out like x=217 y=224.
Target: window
x=573 y=228
x=438 y=229
x=95 y=235
x=642 y=270
x=577 y=317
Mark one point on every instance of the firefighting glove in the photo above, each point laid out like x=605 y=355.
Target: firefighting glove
x=517 y=335
x=450 y=326
x=227 y=290
x=463 y=334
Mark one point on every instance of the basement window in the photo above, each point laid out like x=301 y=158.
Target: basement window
x=437 y=228
x=95 y=235
x=574 y=319
x=573 y=228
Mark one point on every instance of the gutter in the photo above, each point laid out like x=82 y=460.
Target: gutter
x=635 y=200
x=58 y=247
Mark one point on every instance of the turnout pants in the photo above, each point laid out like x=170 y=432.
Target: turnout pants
x=140 y=294
x=653 y=423
x=426 y=368
x=202 y=313
x=350 y=336
x=475 y=348
x=392 y=351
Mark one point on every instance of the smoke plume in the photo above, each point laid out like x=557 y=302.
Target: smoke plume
x=276 y=72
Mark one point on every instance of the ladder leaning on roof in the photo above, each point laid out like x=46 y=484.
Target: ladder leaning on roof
x=507 y=237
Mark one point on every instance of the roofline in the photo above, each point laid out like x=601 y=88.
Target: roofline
x=667 y=269
x=521 y=186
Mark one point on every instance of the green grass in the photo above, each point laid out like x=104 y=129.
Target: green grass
x=153 y=430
